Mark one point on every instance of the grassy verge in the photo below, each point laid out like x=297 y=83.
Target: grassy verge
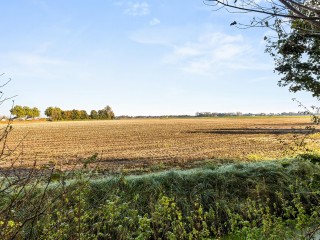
x=262 y=200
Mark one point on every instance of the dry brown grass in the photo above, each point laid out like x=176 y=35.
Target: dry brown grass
x=142 y=143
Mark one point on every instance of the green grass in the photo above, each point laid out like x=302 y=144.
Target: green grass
x=260 y=200
x=213 y=183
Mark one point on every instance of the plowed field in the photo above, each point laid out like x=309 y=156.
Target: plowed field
x=143 y=143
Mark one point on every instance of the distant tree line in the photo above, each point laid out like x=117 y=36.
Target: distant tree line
x=155 y=117
x=216 y=114
x=25 y=112
x=56 y=114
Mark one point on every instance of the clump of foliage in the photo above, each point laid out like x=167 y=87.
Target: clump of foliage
x=25 y=111
x=297 y=57
x=56 y=114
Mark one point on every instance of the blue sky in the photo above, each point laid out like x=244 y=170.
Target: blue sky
x=141 y=57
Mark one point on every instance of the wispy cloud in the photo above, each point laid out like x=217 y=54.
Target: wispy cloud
x=207 y=53
x=166 y=36
x=215 y=53
x=154 y=21
x=26 y=64
x=35 y=60
x=137 y=9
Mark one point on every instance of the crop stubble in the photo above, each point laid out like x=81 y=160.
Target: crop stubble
x=139 y=143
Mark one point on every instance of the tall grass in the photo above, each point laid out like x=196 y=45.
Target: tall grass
x=262 y=200
x=230 y=182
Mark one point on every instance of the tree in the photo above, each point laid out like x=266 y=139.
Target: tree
x=18 y=111
x=48 y=112
x=297 y=59
x=106 y=113
x=27 y=111
x=66 y=115
x=271 y=13
x=109 y=112
x=75 y=114
x=94 y=114
x=83 y=115
x=54 y=113
x=102 y=114
x=296 y=49
x=35 y=112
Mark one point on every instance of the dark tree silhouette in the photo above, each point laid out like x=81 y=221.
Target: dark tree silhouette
x=269 y=13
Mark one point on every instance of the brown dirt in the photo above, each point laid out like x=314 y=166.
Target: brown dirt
x=143 y=143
